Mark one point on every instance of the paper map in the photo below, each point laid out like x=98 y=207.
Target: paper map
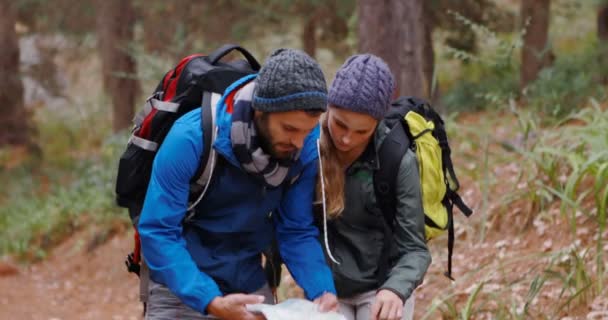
x=294 y=309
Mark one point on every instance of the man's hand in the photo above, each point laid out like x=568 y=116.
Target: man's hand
x=232 y=307
x=388 y=306
x=327 y=302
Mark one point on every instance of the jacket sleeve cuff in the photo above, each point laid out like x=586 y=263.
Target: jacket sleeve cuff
x=206 y=300
x=321 y=284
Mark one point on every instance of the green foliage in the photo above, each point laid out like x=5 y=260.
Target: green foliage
x=65 y=16
x=35 y=216
x=560 y=89
x=468 y=310
x=69 y=186
x=488 y=78
x=491 y=78
x=481 y=12
x=567 y=85
x=570 y=269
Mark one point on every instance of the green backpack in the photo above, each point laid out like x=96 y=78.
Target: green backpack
x=415 y=125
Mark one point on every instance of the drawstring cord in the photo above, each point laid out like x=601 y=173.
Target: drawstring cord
x=323 y=202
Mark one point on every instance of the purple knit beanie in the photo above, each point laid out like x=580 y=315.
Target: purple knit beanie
x=363 y=84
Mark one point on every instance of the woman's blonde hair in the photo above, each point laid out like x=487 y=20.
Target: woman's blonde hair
x=331 y=172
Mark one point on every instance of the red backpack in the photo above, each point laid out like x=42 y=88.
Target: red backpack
x=197 y=81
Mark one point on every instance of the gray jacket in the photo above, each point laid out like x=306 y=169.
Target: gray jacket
x=356 y=237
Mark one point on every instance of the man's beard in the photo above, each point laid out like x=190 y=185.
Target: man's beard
x=265 y=140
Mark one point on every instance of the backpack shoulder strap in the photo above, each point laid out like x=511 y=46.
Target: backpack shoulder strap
x=391 y=152
x=448 y=166
x=208 y=115
x=202 y=177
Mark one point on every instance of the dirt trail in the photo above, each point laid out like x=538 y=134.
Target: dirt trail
x=74 y=284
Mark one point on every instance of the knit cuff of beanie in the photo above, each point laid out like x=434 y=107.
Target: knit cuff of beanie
x=344 y=102
x=311 y=100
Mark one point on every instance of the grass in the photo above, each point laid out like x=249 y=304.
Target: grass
x=553 y=285
x=570 y=162
x=69 y=185
x=559 y=174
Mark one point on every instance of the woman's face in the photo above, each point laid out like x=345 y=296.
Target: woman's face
x=348 y=129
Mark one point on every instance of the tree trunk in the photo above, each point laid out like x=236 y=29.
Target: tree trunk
x=602 y=23
x=158 y=35
x=398 y=32
x=428 y=55
x=535 y=52
x=115 y=32
x=14 y=122
x=602 y=35
x=166 y=25
x=309 y=35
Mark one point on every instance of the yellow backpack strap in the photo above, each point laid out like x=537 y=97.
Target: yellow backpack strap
x=448 y=166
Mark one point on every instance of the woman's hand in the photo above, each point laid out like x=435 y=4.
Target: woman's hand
x=388 y=306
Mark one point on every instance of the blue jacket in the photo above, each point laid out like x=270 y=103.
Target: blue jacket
x=219 y=251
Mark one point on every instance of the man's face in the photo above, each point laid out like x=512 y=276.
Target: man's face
x=282 y=133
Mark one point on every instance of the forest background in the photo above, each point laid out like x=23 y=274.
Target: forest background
x=522 y=85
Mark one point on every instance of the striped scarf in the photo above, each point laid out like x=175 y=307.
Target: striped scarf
x=245 y=143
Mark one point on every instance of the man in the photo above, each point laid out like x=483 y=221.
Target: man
x=208 y=265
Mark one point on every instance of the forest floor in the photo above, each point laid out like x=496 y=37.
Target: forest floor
x=77 y=283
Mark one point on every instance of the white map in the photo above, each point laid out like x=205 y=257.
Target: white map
x=294 y=309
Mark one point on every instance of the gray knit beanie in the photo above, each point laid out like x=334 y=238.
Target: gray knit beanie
x=363 y=84
x=290 y=80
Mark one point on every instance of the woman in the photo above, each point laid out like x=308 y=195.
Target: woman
x=354 y=228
